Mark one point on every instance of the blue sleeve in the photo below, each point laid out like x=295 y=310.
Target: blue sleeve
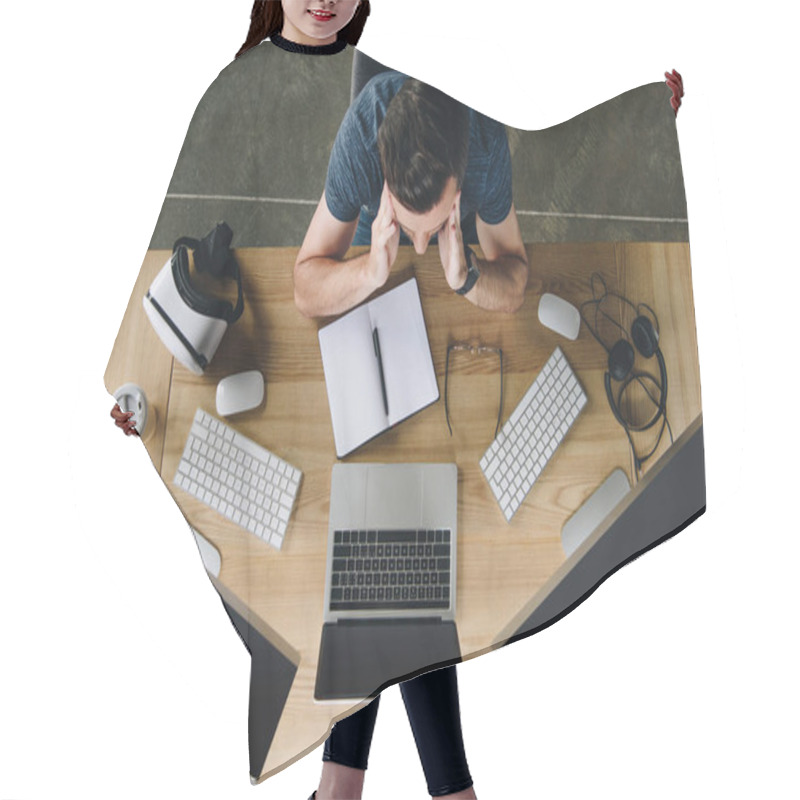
x=497 y=196
x=354 y=166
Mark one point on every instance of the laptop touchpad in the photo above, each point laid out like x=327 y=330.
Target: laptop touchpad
x=394 y=496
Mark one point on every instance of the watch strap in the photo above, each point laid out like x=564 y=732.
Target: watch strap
x=473 y=273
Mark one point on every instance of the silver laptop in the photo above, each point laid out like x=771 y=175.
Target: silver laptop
x=390 y=581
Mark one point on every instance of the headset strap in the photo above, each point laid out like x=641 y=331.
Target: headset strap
x=227 y=269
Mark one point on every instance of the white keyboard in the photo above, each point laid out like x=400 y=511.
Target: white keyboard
x=527 y=441
x=238 y=478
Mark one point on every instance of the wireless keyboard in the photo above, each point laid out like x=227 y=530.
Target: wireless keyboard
x=238 y=478
x=527 y=441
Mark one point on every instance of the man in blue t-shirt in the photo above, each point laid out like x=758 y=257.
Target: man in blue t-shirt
x=408 y=158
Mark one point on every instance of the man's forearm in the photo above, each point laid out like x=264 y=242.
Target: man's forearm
x=326 y=286
x=501 y=285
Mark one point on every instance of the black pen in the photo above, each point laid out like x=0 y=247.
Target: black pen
x=377 y=344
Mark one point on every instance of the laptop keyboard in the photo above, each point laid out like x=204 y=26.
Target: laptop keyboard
x=390 y=570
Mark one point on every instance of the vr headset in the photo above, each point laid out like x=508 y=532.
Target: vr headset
x=189 y=322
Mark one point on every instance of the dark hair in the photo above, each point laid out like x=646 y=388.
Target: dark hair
x=266 y=19
x=423 y=142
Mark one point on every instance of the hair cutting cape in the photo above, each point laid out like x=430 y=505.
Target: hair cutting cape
x=600 y=207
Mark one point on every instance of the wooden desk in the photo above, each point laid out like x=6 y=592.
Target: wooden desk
x=501 y=566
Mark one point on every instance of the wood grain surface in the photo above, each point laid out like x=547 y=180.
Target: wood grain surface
x=501 y=566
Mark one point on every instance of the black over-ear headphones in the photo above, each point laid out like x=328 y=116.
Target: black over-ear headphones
x=644 y=334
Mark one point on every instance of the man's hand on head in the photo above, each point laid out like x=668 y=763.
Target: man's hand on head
x=451 y=248
x=385 y=241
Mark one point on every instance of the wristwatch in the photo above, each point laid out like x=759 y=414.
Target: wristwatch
x=473 y=273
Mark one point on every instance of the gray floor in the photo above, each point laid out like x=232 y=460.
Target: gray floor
x=256 y=155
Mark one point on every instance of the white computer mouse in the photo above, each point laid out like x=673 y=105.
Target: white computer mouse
x=240 y=392
x=559 y=315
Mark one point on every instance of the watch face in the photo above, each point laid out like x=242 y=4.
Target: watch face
x=473 y=264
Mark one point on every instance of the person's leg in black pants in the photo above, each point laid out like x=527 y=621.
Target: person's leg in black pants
x=431 y=702
x=433 y=711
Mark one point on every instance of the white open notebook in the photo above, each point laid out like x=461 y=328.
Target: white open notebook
x=353 y=374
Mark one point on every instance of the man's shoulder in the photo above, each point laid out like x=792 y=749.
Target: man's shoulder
x=359 y=128
x=354 y=175
x=379 y=92
x=487 y=132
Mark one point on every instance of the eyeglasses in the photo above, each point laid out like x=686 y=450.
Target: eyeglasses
x=474 y=350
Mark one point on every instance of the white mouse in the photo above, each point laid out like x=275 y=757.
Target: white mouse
x=240 y=392
x=559 y=315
